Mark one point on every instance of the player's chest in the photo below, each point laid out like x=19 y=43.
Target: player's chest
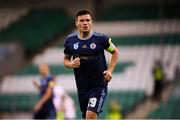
x=85 y=47
x=44 y=82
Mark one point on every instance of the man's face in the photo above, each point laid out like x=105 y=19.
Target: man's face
x=84 y=23
x=43 y=69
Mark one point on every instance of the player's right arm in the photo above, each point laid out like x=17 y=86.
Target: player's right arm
x=36 y=84
x=46 y=96
x=69 y=63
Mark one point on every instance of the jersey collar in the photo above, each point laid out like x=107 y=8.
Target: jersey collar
x=91 y=33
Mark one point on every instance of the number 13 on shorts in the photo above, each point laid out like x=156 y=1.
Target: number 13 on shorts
x=92 y=102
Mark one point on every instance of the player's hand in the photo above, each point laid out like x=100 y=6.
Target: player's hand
x=75 y=63
x=34 y=82
x=37 y=107
x=107 y=75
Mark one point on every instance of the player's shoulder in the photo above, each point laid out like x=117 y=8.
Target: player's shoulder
x=98 y=34
x=51 y=77
x=101 y=37
x=72 y=34
x=70 y=37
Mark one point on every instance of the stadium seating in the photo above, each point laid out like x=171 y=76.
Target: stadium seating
x=125 y=80
x=138 y=12
x=25 y=101
x=17 y=102
x=60 y=69
x=168 y=110
x=171 y=39
x=11 y=15
x=132 y=79
x=37 y=28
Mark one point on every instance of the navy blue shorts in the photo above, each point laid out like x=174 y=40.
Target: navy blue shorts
x=92 y=100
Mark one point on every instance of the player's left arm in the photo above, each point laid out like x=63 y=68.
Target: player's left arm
x=114 y=59
x=46 y=96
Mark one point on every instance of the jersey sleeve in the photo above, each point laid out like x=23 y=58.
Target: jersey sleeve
x=66 y=47
x=51 y=82
x=109 y=46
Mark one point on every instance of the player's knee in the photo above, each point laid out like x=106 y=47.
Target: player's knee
x=90 y=115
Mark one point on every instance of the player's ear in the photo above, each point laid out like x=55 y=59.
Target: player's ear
x=76 y=23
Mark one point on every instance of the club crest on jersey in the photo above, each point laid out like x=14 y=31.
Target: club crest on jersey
x=92 y=45
x=76 y=45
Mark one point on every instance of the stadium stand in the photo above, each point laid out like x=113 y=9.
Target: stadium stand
x=24 y=102
x=11 y=15
x=125 y=82
x=60 y=69
x=147 y=40
x=168 y=110
x=132 y=80
x=17 y=102
x=171 y=107
x=38 y=28
x=139 y=12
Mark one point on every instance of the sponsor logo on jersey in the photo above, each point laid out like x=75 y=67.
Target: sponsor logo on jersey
x=92 y=45
x=84 y=46
x=76 y=46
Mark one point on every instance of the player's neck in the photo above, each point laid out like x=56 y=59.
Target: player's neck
x=45 y=75
x=85 y=35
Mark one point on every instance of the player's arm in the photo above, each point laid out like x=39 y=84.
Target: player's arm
x=114 y=59
x=69 y=63
x=115 y=55
x=36 y=84
x=46 y=96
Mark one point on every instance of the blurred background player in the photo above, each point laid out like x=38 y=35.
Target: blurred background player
x=44 y=108
x=159 y=77
x=114 y=111
x=64 y=104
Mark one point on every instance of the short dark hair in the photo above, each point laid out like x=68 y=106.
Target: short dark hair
x=83 y=12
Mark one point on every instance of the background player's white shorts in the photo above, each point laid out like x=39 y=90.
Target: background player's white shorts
x=67 y=104
x=70 y=111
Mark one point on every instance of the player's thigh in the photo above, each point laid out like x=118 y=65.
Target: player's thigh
x=83 y=101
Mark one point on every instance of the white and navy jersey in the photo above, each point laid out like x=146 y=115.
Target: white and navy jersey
x=92 y=59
